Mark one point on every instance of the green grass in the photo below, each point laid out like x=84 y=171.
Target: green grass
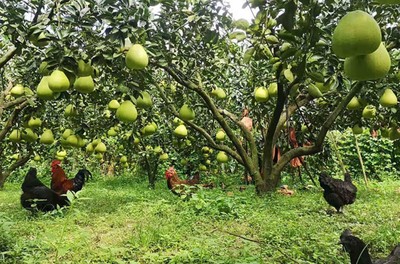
x=118 y=220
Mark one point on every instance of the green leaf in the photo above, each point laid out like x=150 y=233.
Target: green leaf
x=288 y=75
x=248 y=55
x=316 y=76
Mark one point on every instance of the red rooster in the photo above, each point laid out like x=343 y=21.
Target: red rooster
x=61 y=184
x=177 y=185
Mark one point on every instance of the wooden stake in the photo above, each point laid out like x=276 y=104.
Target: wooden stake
x=361 y=161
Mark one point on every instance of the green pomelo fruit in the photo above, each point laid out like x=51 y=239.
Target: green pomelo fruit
x=219 y=93
x=95 y=142
x=43 y=90
x=111 y=132
x=357 y=129
x=202 y=167
x=37 y=158
x=127 y=112
x=17 y=91
x=369 y=111
x=58 y=82
x=67 y=132
x=354 y=104
x=178 y=121
x=368 y=67
x=113 y=105
x=273 y=90
x=388 y=98
x=144 y=100
x=84 y=84
x=81 y=142
x=357 y=33
x=157 y=150
x=34 y=122
x=394 y=133
x=60 y=158
x=149 y=129
x=180 y=131
x=205 y=149
x=136 y=57
x=89 y=148
x=101 y=148
x=70 y=110
x=384 y=132
x=222 y=157
x=185 y=113
x=304 y=128
x=123 y=159
x=261 y=94
x=28 y=135
x=136 y=140
x=47 y=137
x=163 y=156
x=15 y=136
x=220 y=136
x=72 y=140
x=99 y=156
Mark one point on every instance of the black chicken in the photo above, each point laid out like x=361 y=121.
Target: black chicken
x=359 y=254
x=337 y=192
x=36 y=193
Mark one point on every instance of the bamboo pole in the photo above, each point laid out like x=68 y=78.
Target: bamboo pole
x=361 y=161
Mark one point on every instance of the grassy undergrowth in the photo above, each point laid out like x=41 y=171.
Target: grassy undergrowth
x=117 y=220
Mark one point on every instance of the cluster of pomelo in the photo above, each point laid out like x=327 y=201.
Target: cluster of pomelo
x=358 y=39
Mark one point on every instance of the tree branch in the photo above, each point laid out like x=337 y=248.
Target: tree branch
x=11 y=121
x=303 y=100
x=19 y=162
x=317 y=147
x=247 y=134
x=8 y=56
x=14 y=102
x=178 y=76
x=268 y=140
x=202 y=131
x=37 y=13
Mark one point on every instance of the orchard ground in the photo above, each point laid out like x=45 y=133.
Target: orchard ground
x=120 y=220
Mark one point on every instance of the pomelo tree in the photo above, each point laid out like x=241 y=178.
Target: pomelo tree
x=201 y=58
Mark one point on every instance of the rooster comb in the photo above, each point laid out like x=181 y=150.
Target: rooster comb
x=169 y=172
x=55 y=163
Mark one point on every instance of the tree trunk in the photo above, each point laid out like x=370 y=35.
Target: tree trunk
x=110 y=169
x=151 y=171
x=3 y=177
x=152 y=180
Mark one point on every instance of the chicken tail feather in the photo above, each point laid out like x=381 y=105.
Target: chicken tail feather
x=81 y=177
